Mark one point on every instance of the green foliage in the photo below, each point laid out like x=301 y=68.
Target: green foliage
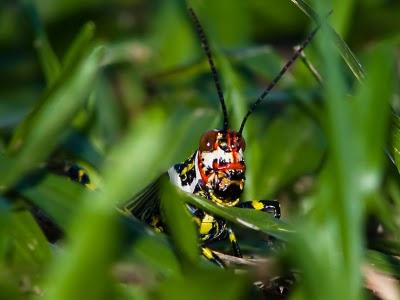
x=124 y=90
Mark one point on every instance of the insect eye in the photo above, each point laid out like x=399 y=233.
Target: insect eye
x=207 y=141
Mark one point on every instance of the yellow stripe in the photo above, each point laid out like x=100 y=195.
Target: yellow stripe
x=80 y=174
x=232 y=237
x=206 y=224
x=257 y=205
x=187 y=168
x=207 y=253
x=223 y=203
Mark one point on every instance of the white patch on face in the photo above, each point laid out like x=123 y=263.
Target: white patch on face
x=176 y=180
x=219 y=154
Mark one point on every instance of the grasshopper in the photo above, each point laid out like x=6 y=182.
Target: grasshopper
x=215 y=171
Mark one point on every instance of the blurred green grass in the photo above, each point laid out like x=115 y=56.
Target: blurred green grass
x=124 y=89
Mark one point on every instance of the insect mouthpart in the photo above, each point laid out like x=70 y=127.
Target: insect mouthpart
x=228 y=193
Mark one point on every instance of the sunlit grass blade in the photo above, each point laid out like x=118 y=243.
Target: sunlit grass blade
x=372 y=103
x=252 y=219
x=128 y=166
x=80 y=44
x=180 y=225
x=31 y=251
x=337 y=223
x=352 y=175
x=38 y=134
x=82 y=273
x=344 y=50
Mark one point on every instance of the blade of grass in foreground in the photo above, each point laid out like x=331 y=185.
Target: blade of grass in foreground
x=39 y=133
x=84 y=271
x=80 y=44
x=344 y=50
x=331 y=241
x=249 y=218
x=31 y=250
x=180 y=225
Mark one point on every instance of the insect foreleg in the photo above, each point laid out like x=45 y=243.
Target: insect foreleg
x=269 y=206
x=209 y=254
x=234 y=243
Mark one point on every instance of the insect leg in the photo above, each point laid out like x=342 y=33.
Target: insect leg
x=211 y=256
x=234 y=243
x=213 y=229
x=269 y=206
x=210 y=228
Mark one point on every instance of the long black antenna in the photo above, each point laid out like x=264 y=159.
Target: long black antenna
x=279 y=76
x=207 y=50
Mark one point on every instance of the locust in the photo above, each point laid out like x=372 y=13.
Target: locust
x=215 y=171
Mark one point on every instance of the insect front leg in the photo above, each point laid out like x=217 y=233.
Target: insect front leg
x=211 y=256
x=213 y=229
x=210 y=230
x=234 y=243
x=269 y=206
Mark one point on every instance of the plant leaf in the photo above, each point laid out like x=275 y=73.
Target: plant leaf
x=344 y=50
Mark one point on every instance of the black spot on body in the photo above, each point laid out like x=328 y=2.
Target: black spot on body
x=190 y=175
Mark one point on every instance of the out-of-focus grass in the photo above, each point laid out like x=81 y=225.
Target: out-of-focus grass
x=132 y=98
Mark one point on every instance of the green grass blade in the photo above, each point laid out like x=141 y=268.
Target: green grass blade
x=180 y=225
x=80 y=44
x=204 y=284
x=83 y=273
x=58 y=197
x=39 y=133
x=344 y=50
x=157 y=254
x=31 y=251
x=249 y=218
x=353 y=175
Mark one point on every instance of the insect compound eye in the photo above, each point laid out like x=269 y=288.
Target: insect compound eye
x=207 y=141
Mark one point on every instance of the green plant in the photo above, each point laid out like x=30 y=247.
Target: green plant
x=333 y=136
